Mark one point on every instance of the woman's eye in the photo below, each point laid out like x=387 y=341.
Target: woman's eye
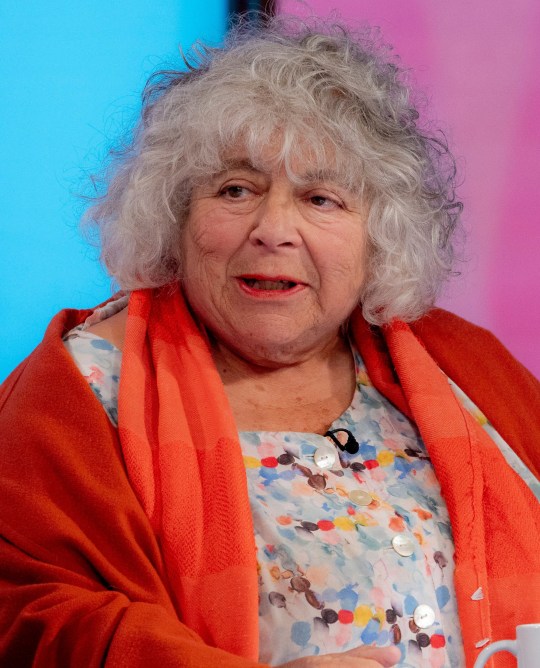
x=322 y=202
x=234 y=192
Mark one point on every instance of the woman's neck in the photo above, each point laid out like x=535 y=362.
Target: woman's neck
x=303 y=397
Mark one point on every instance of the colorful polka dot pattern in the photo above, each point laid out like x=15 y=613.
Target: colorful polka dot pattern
x=330 y=578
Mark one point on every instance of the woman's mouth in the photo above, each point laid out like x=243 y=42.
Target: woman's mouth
x=268 y=286
x=260 y=284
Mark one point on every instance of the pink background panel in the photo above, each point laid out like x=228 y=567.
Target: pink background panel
x=479 y=64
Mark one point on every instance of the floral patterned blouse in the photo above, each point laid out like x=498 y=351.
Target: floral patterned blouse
x=353 y=538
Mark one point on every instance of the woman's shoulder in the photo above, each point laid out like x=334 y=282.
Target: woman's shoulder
x=48 y=357
x=453 y=338
x=506 y=392
x=467 y=350
x=47 y=382
x=439 y=324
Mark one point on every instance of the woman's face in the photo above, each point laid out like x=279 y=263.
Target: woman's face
x=273 y=268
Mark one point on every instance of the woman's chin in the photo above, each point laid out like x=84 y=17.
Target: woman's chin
x=260 y=349
x=272 y=356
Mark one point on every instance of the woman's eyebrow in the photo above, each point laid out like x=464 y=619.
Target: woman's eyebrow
x=232 y=165
x=307 y=178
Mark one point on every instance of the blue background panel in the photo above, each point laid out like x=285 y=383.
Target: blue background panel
x=71 y=74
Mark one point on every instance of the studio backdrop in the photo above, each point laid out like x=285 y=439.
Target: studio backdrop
x=71 y=80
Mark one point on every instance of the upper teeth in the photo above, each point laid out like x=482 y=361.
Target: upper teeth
x=269 y=285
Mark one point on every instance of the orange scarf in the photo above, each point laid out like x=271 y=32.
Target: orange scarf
x=183 y=459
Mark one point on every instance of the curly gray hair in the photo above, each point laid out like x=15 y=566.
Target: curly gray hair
x=310 y=84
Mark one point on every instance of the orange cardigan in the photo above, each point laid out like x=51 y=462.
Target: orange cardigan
x=82 y=576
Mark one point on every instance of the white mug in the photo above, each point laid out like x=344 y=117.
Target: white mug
x=526 y=647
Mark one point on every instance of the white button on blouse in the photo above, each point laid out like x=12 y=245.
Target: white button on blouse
x=360 y=497
x=325 y=457
x=423 y=616
x=403 y=545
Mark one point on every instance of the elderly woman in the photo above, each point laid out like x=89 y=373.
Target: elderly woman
x=248 y=456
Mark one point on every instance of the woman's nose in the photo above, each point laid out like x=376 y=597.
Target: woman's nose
x=276 y=224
